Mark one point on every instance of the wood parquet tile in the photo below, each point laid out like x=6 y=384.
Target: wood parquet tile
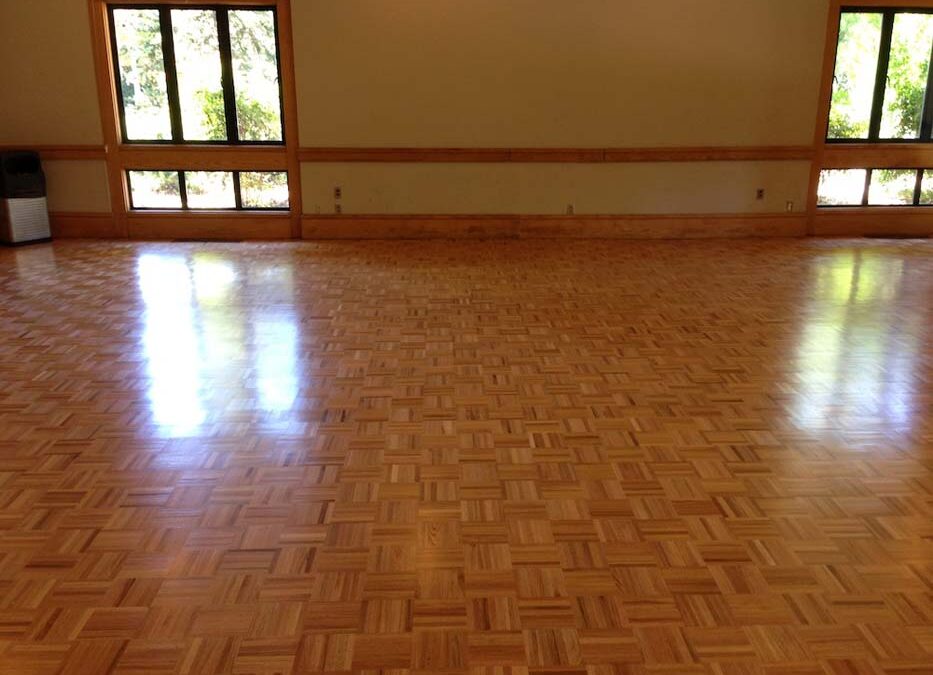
x=595 y=458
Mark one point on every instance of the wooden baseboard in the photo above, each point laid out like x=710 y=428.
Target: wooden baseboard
x=84 y=226
x=857 y=222
x=210 y=225
x=168 y=226
x=853 y=222
x=570 y=227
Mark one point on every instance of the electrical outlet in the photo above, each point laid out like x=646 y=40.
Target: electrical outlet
x=570 y=209
x=338 y=192
x=789 y=206
x=760 y=194
x=338 y=208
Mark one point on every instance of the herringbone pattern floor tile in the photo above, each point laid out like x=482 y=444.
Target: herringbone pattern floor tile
x=467 y=457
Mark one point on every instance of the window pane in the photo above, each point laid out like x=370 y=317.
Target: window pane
x=841 y=187
x=264 y=189
x=892 y=187
x=197 y=62
x=142 y=74
x=210 y=190
x=907 y=75
x=155 y=189
x=926 y=191
x=255 y=75
x=854 y=79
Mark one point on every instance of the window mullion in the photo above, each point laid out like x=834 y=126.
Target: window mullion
x=865 y=194
x=171 y=75
x=237 y=193
x=183 y=190
x=881 y=76
x=226 y=69
x=926 y=126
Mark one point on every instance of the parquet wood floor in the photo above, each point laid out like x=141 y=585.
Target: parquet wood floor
x=467 y=457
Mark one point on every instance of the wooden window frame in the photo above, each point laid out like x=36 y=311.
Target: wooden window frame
x=889 y=14
x=920 y=173
x=183 y=190
x=249 y=156
x=171 y=72
x=858 y=154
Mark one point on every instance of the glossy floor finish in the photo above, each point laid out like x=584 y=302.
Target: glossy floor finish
x=467 y=457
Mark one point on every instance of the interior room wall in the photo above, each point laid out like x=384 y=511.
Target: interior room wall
x=552 y=73
x=487 y=73
x=557 y=73
x=49 y=94
x=637 y=188
x=47 y=77
x=77 y=186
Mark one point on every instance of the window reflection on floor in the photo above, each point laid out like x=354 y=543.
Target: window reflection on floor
x=855 y=362
x=276 y=338
x=276 y=361
x=171 y=344
x=210 y=360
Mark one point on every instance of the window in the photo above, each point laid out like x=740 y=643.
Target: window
x=881 y=82
x=845 y=187
x=876 y=187
x=250 y=190
x=197 y=75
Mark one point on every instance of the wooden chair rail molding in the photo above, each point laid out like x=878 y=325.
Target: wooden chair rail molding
x=569 y=155
x=275 y=157
x=272 y=157
x=62 y=152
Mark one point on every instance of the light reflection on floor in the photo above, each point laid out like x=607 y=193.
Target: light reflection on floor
x=859 y=353
x=210 y=358
x=222 y=342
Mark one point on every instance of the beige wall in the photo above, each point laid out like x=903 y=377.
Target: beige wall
x=79 y=186
x=558 y=72
x=49 y=95
x=47 y=81
x=649 y=188
x=487 y=73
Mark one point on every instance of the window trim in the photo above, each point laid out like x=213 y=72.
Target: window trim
x=183 y=193
x=881 y=76
x=171 y=73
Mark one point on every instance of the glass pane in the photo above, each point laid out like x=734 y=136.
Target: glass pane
x=210 y=190
x=841 y=187
x=854 y=79
x=892 y=187
x=264 y=189
x=197 y=62
x=142 y=74
x=926 y=190
x=255 y=75
x=907 y=76
x=155 y=189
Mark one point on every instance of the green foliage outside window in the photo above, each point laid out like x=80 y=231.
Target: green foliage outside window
x=857 y=59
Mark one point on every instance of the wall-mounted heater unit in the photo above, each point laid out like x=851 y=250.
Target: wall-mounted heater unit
x=24 y=212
